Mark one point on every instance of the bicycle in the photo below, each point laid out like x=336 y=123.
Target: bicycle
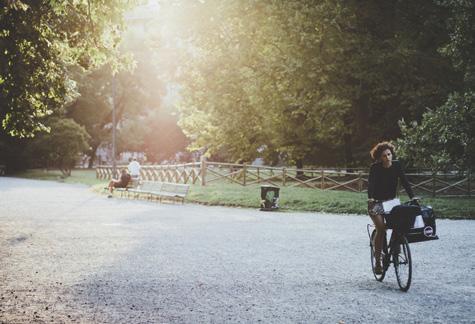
x=396 y=251
x=398 y=254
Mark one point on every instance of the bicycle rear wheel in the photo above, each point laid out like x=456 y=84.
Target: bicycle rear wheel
x=403 y=263
x=379 y=277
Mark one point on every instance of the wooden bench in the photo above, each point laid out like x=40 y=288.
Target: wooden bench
x=161 y=190
x=133 y=184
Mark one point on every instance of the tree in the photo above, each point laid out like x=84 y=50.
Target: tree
x=93 y=108
x=445 y=138
x=39 y=41
x=163 y=138
x=245 y=83
x=61 y=148
x=310 y=82
x=143 y=124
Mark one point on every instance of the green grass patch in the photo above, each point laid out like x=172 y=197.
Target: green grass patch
x=316 y=200
x=83 y=176
x=291 y=198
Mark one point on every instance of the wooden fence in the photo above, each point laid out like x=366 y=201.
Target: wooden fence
x=178 y=173
x=205 y=172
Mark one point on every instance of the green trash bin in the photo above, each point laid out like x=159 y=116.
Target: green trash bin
x=269 y=198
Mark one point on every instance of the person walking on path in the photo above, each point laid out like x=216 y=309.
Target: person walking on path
x=382 y=185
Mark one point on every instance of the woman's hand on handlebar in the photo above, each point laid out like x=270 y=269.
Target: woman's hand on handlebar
x=371 y=202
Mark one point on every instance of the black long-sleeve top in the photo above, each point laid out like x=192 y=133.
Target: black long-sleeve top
x=382 y=182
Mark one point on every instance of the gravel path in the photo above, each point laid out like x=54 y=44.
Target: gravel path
x=70 y=255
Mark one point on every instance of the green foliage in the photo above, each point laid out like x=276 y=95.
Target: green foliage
x=60 y=148
x=304 y=81
x=93 y=108
x=39 y=41
x=460 y=48
x=163 y=138
x=445 y=137
x=143 y=121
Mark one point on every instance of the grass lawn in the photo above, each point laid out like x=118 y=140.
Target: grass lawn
x=301 y=199
x=291 y=199
x=83 y=176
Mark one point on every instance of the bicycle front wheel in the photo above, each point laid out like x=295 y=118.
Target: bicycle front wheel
x=403 y=263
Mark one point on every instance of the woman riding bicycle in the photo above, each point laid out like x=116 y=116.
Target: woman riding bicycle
x=382 y=185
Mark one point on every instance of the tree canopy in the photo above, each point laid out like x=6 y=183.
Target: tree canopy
x=39 y=41
x=297 y=81
x=445 y=138
x=59 y=148
x=307 y=82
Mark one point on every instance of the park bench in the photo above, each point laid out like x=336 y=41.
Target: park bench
x=161 y=190
x=133 y=184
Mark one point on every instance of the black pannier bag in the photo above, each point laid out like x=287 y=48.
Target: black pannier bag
x=426 y=233
x=401 y=218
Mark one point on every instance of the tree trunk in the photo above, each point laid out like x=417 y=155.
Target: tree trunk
x=92 y=156
x=91 y=161
x=348 y=152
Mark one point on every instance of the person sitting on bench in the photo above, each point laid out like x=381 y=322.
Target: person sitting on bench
x=134 y=168
x=121 y=183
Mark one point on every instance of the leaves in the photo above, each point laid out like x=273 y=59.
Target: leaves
x=318 y=82
x=39 y=41
x=445 y=137
x=61 y=147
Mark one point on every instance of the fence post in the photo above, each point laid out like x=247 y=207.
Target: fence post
x=323 y=180
x=360 y=181
x=193 y=175
x=244 y=170
x=284 y=174
x=203 y=170
x=469 y=175
x=258 y=175
x=433 y=183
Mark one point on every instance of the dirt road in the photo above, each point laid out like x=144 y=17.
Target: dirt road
x=69 y=255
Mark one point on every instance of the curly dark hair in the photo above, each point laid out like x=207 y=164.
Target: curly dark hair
x=379 y=148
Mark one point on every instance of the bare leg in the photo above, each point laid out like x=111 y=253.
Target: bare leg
x=378 y=240
x=111 y=186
